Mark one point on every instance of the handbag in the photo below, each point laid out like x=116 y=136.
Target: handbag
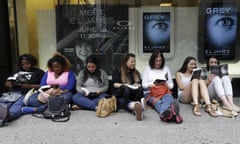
x=106 y=106
x=157 y=92
x=57 y=110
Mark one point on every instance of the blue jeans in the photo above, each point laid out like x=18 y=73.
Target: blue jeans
x=162 y=104
x=34 y=102
x=15 y=110
x=86 y=102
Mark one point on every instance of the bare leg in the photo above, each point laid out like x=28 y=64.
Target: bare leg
x=195 y=91
x=195 y=97
x=204 y=91
x=235 y=107
x=187 y=95
x=226 y=103
x=205 y=95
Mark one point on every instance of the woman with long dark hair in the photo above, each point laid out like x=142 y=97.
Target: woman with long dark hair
x=192 y=90
x=127 y=86
x=92 y=85
x=220 y=88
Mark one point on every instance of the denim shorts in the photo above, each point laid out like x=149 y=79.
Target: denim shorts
x=180 y=98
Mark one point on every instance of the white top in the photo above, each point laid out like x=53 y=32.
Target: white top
x=150 y=75
x=185 y=81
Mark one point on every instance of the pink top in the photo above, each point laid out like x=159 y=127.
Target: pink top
x=61 y=80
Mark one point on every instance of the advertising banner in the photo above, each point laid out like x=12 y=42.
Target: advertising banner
x=218 y=30
x=100 y=30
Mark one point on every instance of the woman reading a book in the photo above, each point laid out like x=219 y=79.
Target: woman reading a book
x=127 y=86
x=27 y=76
x=59 y=77
x=220 y=86
x=191 y=90
x=157 y=82
x=92 y=83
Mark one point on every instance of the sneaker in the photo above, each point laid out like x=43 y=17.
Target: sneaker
x=138 y=110
x=27 y=109
x=3 y=114
x=175 y=111
x=166 y=116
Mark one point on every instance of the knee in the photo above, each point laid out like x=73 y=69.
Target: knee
x=32 y=100
x=169 y=97
x=216 y=79
x=76 y=96
x=202 y=83
x=14 y=113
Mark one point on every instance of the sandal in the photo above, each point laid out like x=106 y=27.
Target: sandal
x=196 y=110
x=210 y=111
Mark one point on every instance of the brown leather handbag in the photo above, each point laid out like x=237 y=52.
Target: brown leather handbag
x=106 y=106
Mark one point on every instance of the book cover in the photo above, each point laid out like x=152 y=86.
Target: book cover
x=204 y=73
x=132 y=86
x=86 y=91
x=196 y=74
x=220 y=70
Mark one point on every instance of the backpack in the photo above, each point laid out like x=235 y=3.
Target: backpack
x=57 y=110
x=157 y=92
x=106 y=106
x=172 y=114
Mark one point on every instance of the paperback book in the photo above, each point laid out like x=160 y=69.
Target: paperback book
x=220 y=70
x=200 y=72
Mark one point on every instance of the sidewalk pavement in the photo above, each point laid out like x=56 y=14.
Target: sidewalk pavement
x=122 y=128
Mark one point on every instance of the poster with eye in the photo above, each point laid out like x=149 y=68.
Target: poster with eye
x=218 y=30
x=99 y=30
x=156 y=31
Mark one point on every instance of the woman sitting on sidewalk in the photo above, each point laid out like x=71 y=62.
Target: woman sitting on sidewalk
x=220 y=87
x=192 y=90
x=92 y=83
x=127 y=86
x=58 y=75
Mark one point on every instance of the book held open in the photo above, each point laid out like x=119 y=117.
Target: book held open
x=200 y=72
x=220 y=70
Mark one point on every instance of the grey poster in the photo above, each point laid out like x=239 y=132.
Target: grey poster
x=156 y=31
x=100 y=30
x=218 y=31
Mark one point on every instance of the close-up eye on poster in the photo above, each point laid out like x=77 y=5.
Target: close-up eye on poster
x=218 y=30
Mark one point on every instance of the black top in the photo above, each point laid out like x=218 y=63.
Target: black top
x=33 y=76
x=116 y=77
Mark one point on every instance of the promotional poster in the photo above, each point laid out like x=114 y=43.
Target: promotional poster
x=100 y=30
x=156 y=31
x=218 y=23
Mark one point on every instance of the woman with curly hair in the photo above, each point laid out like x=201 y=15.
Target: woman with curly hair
x=58 y=76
